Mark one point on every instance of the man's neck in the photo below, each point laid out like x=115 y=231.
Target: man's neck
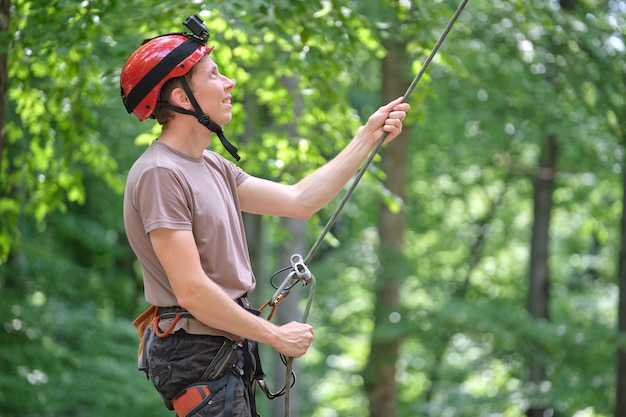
x=185 y=138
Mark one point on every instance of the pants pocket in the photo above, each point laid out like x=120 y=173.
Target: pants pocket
x=215 y=407
x=160 y=376
x=225 y=358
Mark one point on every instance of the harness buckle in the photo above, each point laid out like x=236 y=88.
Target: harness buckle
x=299 y=272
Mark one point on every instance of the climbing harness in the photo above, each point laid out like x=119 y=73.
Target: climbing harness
x=299 y=272
x=224 y=374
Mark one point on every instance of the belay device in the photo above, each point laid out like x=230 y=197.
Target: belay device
x=298 y=270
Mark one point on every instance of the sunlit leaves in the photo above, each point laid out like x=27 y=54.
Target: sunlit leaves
x=510 y=72
x=55 y=87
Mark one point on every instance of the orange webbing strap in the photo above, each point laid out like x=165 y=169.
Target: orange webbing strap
x=191 y=398
x=195 y=396
x=144 y=320
x=151 y=317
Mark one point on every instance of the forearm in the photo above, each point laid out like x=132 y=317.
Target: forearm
x=313 y=192
x=320 y=187
x=196 y=292
x=208 y=303
x=317 y=189
x=212 y=306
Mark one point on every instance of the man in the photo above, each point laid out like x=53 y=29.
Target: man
x=182 y=214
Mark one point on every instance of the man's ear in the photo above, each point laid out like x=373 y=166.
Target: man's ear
x=179 y=98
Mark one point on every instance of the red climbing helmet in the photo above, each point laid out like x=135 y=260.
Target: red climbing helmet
x=156 y=61
x=160 y=59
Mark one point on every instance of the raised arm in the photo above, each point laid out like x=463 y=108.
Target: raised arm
x=314 y=191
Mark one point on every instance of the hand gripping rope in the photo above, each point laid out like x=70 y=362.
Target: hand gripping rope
x=298 y=271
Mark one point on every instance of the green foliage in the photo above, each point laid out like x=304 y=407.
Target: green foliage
x=52 y=133
x=467 y=339
x=510 y=73
x=68 y=359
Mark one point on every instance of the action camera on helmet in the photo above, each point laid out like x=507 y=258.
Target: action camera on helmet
x=197 y=27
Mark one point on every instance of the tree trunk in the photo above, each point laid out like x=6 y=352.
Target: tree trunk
x=254 y=225
x=381 y=366
x=288 y=308
x=5 y=12
x=289 y=311
x=620 y=395
x=539 y=288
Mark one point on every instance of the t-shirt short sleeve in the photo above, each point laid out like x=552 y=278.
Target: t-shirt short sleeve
x=162 y=200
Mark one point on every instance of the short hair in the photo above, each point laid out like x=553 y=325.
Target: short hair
x=162 y=113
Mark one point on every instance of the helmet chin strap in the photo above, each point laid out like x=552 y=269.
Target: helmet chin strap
x=203 y=119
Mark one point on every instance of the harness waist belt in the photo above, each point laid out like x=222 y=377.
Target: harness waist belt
x=170 y=312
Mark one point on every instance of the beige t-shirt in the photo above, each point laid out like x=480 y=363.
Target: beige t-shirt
x=166 y=189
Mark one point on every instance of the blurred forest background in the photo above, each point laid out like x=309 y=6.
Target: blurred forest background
x=476 y=271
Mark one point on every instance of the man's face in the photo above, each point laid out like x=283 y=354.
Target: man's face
x=212 y=91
